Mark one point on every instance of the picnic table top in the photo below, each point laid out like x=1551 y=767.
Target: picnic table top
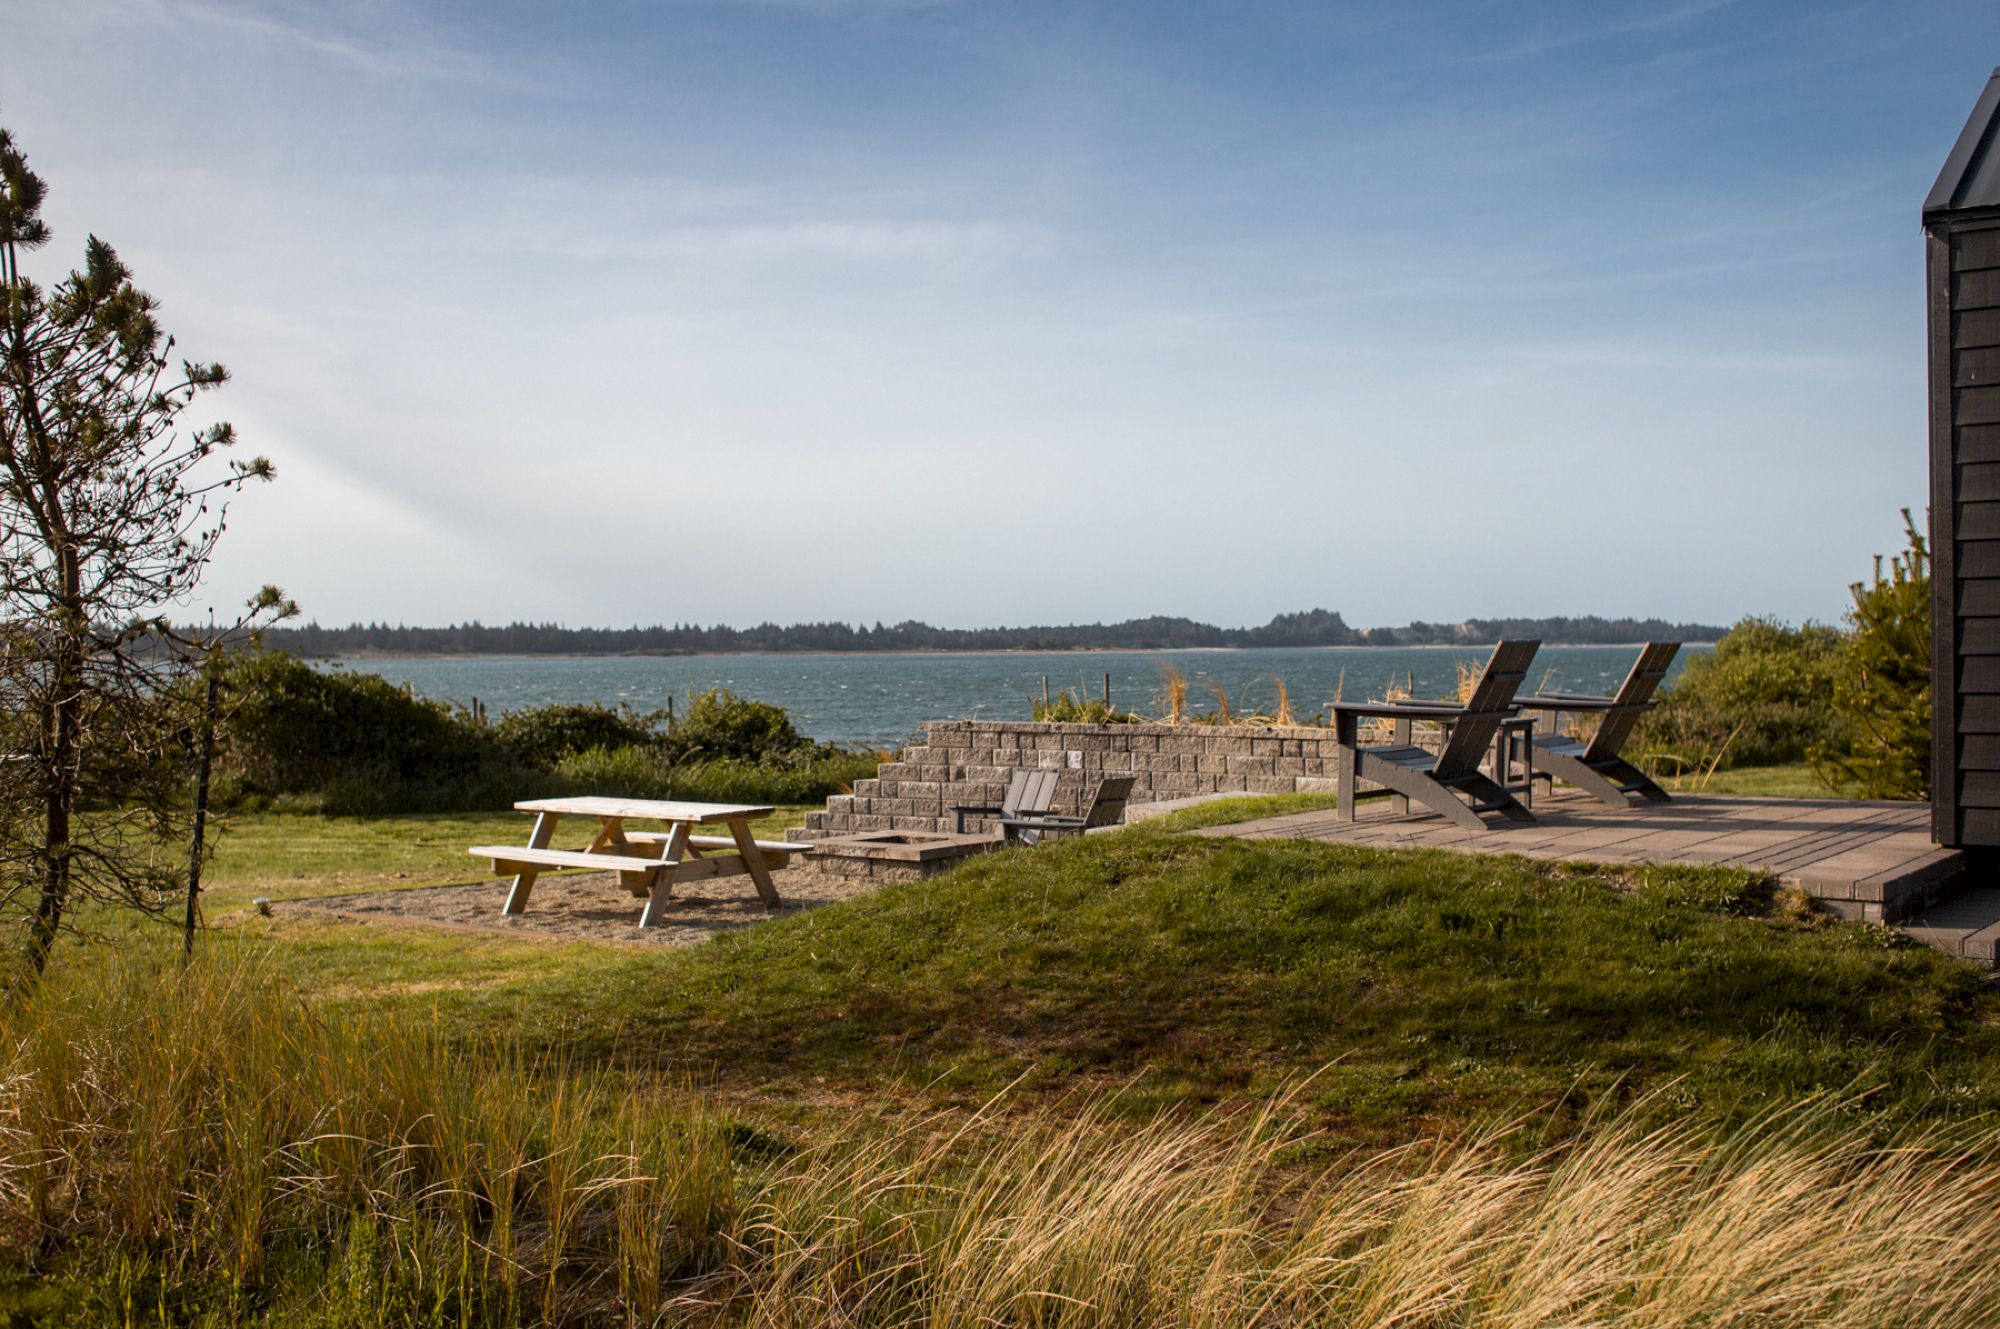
x=646 y=809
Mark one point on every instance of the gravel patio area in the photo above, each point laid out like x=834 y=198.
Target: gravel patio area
x=588 y=907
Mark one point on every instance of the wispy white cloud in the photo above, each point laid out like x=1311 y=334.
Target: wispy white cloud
x=827 y=6
x=1583 y=35
x=392 y=48
x=703 y=221
x=1682 y=359
x=932 y=245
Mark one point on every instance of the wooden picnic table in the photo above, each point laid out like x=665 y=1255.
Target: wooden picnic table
x=648 y=863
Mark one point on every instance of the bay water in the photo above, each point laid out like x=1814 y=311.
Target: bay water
x=879 y=700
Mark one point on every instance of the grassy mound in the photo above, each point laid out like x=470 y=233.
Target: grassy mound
x=1419 y=988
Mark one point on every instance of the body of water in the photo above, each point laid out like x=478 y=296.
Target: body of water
x=880 y=700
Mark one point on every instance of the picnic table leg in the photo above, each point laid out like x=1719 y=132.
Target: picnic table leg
x=753 y=858
x=610 y=831
x=671 y=851
x=545 y=831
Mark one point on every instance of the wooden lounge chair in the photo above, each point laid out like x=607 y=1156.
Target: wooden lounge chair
x=1594 y=766
x=1107 y=808
x=1028 y=793
x=1444 y=780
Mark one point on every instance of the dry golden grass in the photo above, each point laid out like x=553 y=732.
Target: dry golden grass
x=1281 y=714
x=1469 y=675
x=1174 y=691
x=1222 y=714
x=203 y=1137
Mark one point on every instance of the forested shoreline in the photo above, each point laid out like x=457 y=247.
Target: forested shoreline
x=1317 y=627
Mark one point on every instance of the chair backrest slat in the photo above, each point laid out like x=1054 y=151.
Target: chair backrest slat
x=1017 y=788
x=1029 y=791
x=1107 y=805
x=1491 y=701
x=1021 y=789
x=1648 y=672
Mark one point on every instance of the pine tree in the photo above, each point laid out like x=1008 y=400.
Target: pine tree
x=109 y=513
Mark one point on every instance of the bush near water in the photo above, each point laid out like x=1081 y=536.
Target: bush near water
x=1854 y=701
x=1763 y=696
x=334 y=741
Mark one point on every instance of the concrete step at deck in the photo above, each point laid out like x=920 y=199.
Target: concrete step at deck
x=1865 y=889
x=1965 y=925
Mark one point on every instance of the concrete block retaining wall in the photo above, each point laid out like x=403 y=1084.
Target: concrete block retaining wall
x=968 y=762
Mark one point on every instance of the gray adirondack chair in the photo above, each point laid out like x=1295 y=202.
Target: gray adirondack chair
x=1448 y=781
x=1028 y=793
x=1107 y=808
x=1595 y=765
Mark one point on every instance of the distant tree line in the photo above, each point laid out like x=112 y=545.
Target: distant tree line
x=1317 y=627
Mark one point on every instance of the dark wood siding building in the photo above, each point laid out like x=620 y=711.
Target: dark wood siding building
x=1962 y=248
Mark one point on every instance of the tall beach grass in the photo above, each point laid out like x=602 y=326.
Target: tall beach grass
x=207 y=1147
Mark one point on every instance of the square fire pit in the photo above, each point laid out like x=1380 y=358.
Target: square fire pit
x=898 y=855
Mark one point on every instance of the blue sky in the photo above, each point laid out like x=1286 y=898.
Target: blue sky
x=1025 y=312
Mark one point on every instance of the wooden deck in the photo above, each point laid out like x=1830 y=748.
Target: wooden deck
x=1871 y=861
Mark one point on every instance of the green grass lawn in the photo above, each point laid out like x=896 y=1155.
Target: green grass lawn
x=1795 y=780
x=1362 y=997
x=1419 y=987
x=1416 y=986
x=291 y=855
x=941 y=1104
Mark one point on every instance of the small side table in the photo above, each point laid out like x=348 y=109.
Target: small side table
x=1514 y=758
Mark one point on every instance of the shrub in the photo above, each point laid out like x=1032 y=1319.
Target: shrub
x=627 y=772
x=1072 y=708
x=719 y=723
x=639 y=772
x=1763 y=696
x=295 y=729
x=326 y=740
x=1883 y=687
x=544 y=735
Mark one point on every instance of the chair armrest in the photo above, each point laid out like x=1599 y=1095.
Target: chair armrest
x=1394 y=711
x=1043 y=819
x=1561 y=703
x=960 y=813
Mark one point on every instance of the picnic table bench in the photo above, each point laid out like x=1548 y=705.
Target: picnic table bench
x=648 y=863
